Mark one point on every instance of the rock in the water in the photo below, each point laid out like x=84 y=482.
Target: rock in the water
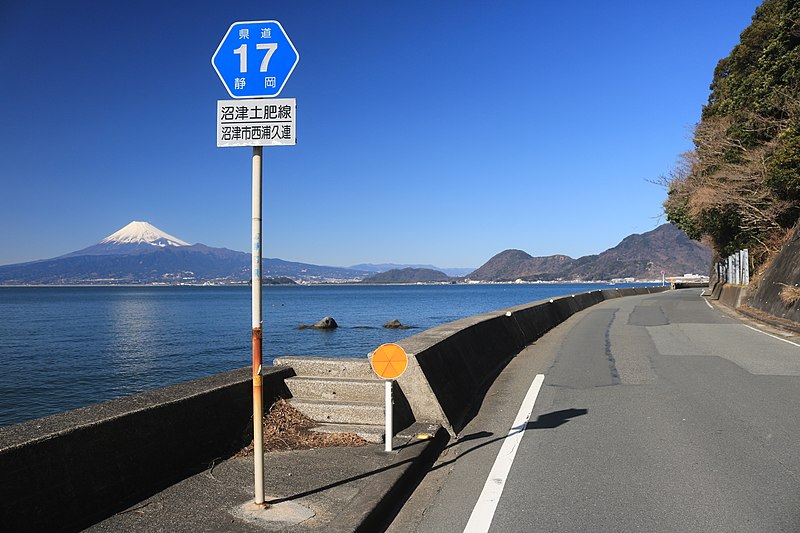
x=326 y=323
x=394 y=324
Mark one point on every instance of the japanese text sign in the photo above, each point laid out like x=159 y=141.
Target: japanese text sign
x=256 y=122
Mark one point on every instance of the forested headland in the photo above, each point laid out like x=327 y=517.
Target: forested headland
x=739 y=187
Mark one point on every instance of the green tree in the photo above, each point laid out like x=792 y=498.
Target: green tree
x=740 y=186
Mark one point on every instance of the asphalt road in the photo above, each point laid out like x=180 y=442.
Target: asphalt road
x=657 y=413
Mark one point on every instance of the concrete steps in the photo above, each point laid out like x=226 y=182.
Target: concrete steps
x=328 y=366
x=343 y=389
x=338 y=412
x=369 y=432
x=343 y=395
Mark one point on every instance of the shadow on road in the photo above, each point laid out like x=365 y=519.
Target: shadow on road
x=555 y=419
x=545 y=421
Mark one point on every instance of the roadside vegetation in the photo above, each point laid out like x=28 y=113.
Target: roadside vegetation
x=740 y=185
x=286 y=428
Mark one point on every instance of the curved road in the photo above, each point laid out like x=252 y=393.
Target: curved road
x=657 y=413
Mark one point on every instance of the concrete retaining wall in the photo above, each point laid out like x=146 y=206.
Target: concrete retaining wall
x=68 y=471
x=784 y=272
x=731 y=295
x=451 y=366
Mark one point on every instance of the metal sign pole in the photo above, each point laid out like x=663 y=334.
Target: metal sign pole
x=388 y=415
x=258 y=402
x=256 y=123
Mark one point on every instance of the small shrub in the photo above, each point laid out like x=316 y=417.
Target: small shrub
x=286 y=428
x=790 y=294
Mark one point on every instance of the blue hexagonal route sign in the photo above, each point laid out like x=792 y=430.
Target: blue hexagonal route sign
x=255 y=58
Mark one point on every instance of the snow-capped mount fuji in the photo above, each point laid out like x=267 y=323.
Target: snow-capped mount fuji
x=143 y=233
x=140 y=253
x=136 y=237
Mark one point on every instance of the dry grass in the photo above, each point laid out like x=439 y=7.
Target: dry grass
x=286 y=428
x=766 y=254
x=790 y=294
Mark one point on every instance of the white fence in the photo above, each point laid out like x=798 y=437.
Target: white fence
x=735 y=269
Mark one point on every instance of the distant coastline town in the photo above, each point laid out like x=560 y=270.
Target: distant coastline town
x=142 y=254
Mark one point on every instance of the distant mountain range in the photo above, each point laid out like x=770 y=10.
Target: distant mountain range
x=140 y=253
x=408 y=275
x=385 y=267
x=639 y=256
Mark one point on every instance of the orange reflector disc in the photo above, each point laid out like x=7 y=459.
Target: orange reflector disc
x=389 y=361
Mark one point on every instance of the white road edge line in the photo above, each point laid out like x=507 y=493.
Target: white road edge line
x=483 y=512
x=771 y=335
x=708 y=304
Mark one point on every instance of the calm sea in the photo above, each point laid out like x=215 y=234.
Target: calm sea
x=67 y=347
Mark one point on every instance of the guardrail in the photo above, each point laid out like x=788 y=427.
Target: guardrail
x=734 y=269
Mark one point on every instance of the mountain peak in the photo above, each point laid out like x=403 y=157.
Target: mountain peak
x=509 y=265
x=642 y=256
x=143 y=233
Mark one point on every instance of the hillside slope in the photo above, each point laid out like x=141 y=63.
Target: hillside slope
x=408 y=275
x=645 y=256
x=511 y=265
x=641 y=256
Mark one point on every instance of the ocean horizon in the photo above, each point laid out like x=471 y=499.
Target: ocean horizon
x=86 y=344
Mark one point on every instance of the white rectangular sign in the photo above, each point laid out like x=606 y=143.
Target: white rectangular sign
x=257 y=122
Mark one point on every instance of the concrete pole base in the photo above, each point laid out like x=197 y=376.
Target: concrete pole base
x=275 y=516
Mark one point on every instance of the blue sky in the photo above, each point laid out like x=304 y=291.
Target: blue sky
x=428 y=132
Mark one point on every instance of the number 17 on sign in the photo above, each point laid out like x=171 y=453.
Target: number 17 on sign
x=255 y=58
x=242 y=53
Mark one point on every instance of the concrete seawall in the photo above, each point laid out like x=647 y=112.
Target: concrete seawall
x=451 y=366
x=70 y=470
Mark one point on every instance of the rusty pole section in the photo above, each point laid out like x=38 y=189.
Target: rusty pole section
x=258 y=401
